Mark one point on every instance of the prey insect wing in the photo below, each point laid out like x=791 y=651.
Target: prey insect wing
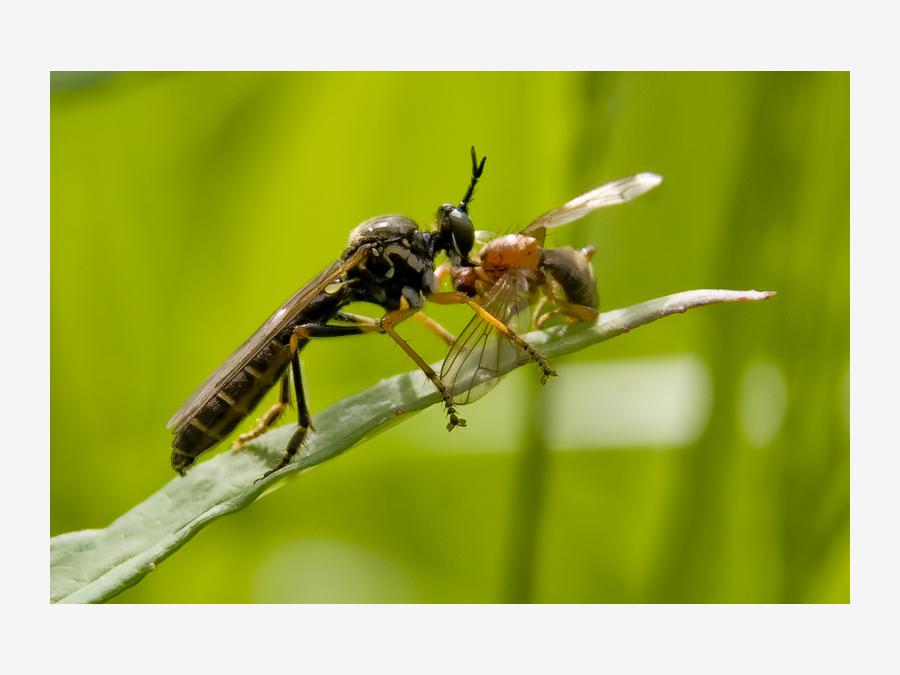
x=482 y=237
x=280 y=319
x=474 y=363
x=616 y=192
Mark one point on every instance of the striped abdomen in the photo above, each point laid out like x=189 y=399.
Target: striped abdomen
x=242 y=390
x=236 y=399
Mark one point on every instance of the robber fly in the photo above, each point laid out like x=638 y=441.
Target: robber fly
x=389 y=262
x=513 y=279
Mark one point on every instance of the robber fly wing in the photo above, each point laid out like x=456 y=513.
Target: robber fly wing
x=617 y=192
x=477 y=358
x=281 y=318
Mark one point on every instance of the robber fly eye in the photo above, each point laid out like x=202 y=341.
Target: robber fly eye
x=463 y=231
x=456 y=233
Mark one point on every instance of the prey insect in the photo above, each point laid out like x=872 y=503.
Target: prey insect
x=517 y=282
x=389 y=262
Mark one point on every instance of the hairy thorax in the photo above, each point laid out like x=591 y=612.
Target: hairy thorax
x=514 y=258
x=511 y=250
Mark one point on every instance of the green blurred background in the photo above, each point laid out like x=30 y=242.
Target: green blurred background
x=704 y=458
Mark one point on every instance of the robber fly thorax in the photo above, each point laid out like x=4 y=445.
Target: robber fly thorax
x=389 y=262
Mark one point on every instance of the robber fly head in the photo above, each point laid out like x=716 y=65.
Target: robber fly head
x=455 y=232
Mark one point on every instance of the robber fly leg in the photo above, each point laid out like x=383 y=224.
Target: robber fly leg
x=300 y=337
x=388 y=322
x=435 y=328
x=304 y=422
x=294 y=445
x=441 y=273
x=420 y=316
x=452 y=298
x=270 y=417
x=356 y=319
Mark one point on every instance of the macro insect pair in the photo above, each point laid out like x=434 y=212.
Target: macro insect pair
x=509 y=283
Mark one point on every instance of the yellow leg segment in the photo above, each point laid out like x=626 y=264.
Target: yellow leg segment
x=455 y=298
x=269 y=418
x=435 y=328
x=390 y=320
x=572 y=313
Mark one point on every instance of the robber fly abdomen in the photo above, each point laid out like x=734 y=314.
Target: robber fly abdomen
x=239 y=395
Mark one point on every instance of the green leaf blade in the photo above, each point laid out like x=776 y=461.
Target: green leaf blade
x=96 y=565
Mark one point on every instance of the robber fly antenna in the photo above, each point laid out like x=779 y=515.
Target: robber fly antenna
x=477 y=170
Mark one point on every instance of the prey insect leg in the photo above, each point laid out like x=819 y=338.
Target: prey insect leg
x=455 y=298
x=388 y=322
x=572 y=312
x=537 y=312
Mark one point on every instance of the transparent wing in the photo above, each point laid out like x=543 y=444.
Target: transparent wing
x=247 y=351
x=482 y=237
x=617 y=192
x=480 y=353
